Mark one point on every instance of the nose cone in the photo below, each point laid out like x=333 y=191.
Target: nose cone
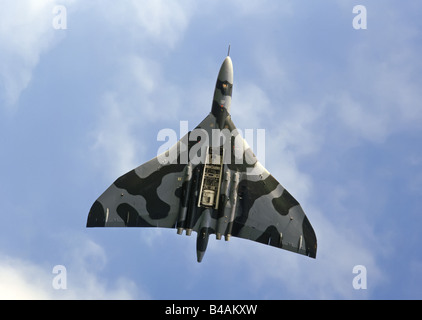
x=226 y=71
x=223 y=92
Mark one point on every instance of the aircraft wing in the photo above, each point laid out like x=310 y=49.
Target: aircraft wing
x=147 y=196
x=267 y=213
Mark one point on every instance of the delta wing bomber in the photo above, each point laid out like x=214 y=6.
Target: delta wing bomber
x=209 y=182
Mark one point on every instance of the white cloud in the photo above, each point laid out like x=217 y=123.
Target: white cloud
x=362 y=121
x=383 y=80
x=140 y=89
x=26 y=32
x=141 y=97
x=238 y=9
x=384 y=98
x=21 y=280
x=281 y=274
x=250 y=107
x=160 y=21
x=115 y=146
x=25 y=279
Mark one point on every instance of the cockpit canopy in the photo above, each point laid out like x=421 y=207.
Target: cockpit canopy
x=225 y=87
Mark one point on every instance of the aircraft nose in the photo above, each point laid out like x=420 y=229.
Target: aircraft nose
x=226 y=71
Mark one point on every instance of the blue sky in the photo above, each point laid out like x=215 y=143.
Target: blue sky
x=341 y=111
